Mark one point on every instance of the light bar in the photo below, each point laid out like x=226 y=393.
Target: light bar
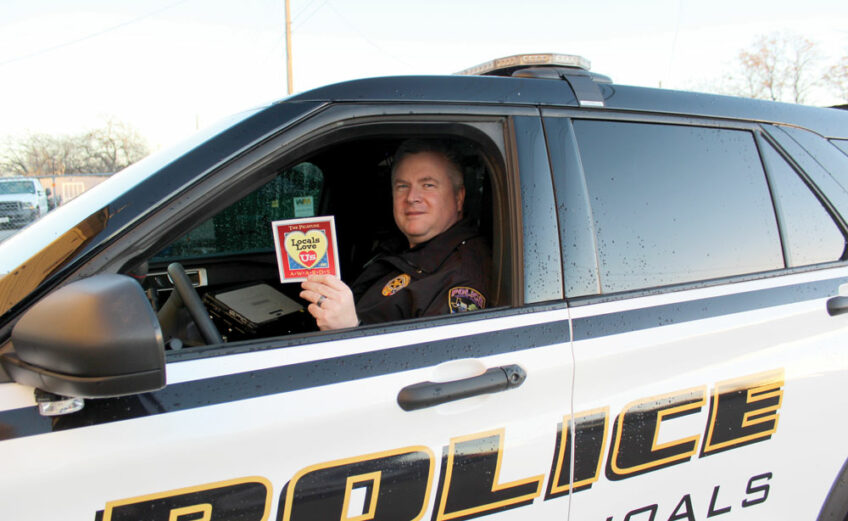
x=527 y=60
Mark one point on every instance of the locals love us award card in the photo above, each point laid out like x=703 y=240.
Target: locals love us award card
x=306 y=247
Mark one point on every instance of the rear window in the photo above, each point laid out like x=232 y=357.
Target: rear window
x=832 y=158
x=810 y=235
x=841 y=144
x=674 y=204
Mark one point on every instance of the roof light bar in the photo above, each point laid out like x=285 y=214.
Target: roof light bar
x=527 y=60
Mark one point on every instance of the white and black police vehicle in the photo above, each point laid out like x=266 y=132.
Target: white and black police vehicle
x=666 y=338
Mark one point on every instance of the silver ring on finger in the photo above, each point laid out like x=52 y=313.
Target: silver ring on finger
x=321 y=300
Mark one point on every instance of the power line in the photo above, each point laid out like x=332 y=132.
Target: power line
x=670 y=67
x=301 y=23
x=302 y=10
x=364 y=37
x=93 y=35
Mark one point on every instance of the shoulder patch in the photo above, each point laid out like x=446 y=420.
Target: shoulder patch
x=462 y=298
x=395 y=285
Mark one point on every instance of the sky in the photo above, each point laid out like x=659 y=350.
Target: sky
x=169 y=67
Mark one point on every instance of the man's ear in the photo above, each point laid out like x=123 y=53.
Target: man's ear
x=460 y=199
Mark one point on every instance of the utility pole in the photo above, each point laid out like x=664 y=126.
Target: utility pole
x=288 y=48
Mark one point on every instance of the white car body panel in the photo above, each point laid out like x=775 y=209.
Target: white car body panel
x=800 y=340
x=228 y=441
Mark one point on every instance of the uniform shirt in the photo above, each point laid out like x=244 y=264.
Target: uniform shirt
x=447 y=274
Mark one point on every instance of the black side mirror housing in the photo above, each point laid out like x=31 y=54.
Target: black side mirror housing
x=94 y=338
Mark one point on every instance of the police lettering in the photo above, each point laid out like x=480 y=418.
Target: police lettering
x=590 y=433
x=756 y=493
x=246 y=499
x=468 y=487
x=390 y=486
x=743 y=411
x=397 y=484
x=634 y=448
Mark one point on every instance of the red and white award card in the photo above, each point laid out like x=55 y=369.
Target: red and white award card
x=306 y=247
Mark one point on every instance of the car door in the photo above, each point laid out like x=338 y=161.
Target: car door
x=707 y=365
x=452 y=417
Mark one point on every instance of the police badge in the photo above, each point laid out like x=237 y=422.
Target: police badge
x=395 y=285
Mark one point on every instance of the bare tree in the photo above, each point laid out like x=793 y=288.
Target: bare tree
x=779 y=67
x=112 y=147
x=107 y=149
x=837 y=78
x=37 y=154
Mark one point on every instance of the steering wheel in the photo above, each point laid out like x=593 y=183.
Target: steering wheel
x=185 y=295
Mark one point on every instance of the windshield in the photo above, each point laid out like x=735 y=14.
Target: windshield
x=16 y=187
x=29 y=256
x=16 y=246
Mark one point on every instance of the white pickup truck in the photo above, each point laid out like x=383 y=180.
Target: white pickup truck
x=22 y=200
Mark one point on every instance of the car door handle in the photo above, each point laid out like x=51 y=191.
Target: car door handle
x=837 y=306
x=428 y=394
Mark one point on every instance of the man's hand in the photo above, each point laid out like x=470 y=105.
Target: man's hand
x=331 y=302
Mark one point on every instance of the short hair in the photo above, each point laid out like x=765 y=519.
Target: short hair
x=436 y=146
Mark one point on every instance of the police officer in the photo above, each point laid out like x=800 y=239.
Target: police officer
x=445 y=268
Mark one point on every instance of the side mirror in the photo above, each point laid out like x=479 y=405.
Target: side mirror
x=94 y=338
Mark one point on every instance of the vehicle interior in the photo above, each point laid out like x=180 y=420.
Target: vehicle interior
x=229 y=261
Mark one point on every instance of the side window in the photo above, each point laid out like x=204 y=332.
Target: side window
x=244 y=226
x=809 y=234
x=229 y=254
x=833 y=159
x=674 y=204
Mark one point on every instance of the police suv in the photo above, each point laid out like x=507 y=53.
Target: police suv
x=666 y=338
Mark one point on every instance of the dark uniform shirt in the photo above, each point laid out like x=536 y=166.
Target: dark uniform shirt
x=447 y=274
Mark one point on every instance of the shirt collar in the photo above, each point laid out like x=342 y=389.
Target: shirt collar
x=427 y=257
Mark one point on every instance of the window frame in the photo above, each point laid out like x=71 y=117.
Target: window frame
x=828 y=188
x=564 y=178
x=764 y=140
x=250 y=170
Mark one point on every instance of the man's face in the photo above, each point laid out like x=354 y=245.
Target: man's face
x=424 y=200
